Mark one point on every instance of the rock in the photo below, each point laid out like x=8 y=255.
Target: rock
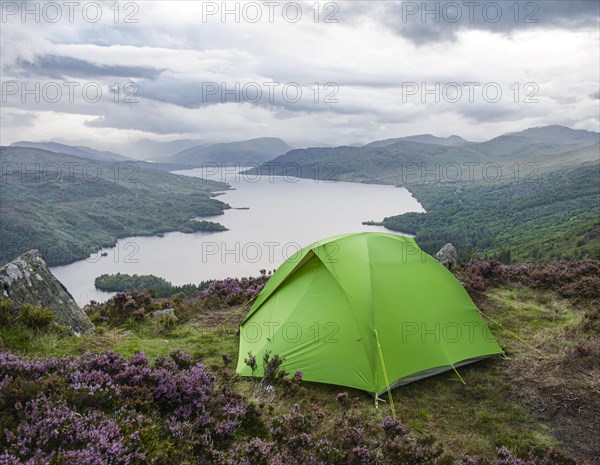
x=27 y=279
x=447 y=254
x=168 y=312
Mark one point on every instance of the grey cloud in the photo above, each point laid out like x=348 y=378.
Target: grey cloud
x=58 y=67
x=257 y=92
x=487 y=112
x=142 y=118
x=19 y=119
x=434 y=21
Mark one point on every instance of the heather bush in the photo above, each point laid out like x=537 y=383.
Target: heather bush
x=570 y=279
x=394 y=428
x=123 y=306
x=292 y=433
x=505 y=457
x=76 y=393
x=343 y=398
x=346 y=402
x=52 y=432
x=106 y=408
x=137 y=305
x=291 y=386
x=273 y=373
x=251 y=362
x=233 y=291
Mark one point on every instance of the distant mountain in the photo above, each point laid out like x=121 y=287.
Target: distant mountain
x=152 y=150
x=404 y=161
x=99 y=155
x=76 y=151
x=572 y=158
x=535 y=142
x=249 y=151
x=559 y=135
x=424 y=138
x=390 y=164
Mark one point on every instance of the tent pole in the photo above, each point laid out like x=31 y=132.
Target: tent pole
x=385 y=376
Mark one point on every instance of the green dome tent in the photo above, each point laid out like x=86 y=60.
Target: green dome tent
x=365 y=310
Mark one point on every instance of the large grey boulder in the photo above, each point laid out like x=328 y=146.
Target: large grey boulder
x=447 y=255
x=27 y=279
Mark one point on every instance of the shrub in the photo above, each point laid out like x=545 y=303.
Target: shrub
x=230 y=291
x=570 y=279
x=292 y=385
x=36 y=317
x=251 y=362
x=106 y=408
x=272 y=371
x=122 y=307
x=6 y=311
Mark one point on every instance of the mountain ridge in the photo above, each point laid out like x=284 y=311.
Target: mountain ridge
x=392 y=162
x=256 y=150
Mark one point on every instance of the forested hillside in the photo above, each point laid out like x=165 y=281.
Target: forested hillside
x=556 y=216
x=68 y=207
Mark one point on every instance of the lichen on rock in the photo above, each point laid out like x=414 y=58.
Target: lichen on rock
x=45 y=290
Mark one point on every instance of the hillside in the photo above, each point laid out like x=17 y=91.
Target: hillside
x=531 y=195
x=67 y=207
x=165 y=391
x=100 y=155
x=76 y=151
x=555 y=216
x=407 y=161
x=252 y=151
x=424 y=138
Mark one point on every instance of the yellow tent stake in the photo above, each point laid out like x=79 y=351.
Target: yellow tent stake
x=385 y=377
x=458 y=374
x=516 y=336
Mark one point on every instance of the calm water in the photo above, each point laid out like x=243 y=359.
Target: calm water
x=272 y=219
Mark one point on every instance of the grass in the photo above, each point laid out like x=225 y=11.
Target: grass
x=487 y=412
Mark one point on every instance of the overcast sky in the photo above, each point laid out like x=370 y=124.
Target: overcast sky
x=331 y=74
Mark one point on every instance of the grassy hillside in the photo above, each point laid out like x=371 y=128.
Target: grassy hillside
x=557 y=216
x=181 y=402
x=68 y=207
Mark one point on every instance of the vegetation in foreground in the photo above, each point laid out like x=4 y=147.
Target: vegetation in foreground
x=69 y=207
x=145 y=390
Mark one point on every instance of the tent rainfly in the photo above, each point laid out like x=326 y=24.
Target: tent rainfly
x=367 y=310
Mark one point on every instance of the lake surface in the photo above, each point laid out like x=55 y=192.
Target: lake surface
x=272 y=217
